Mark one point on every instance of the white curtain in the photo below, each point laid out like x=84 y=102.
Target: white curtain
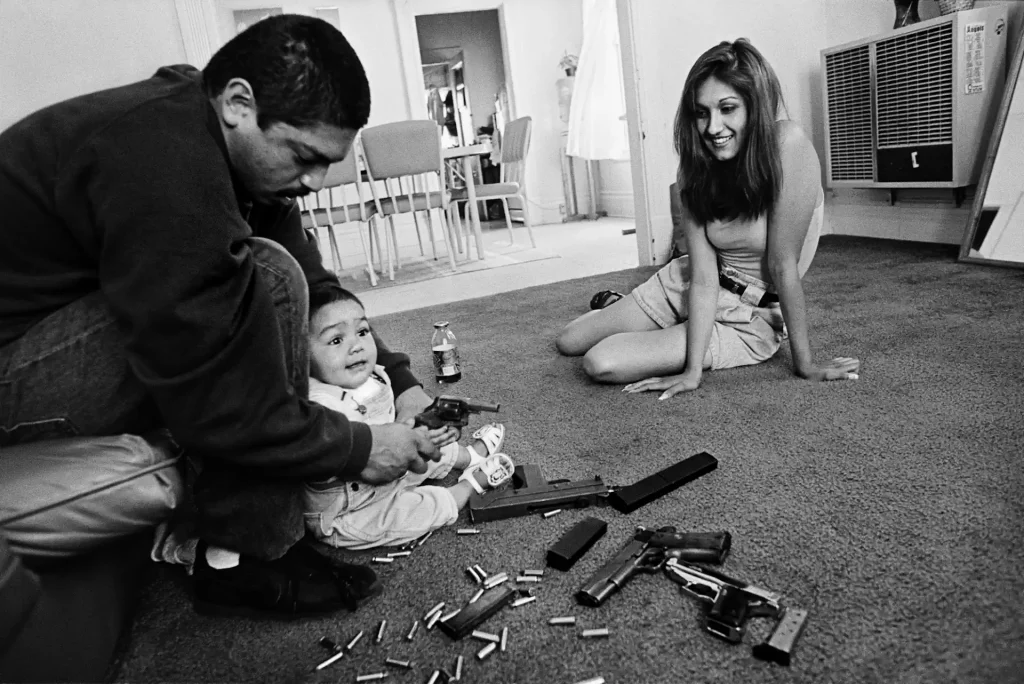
x=597 y=123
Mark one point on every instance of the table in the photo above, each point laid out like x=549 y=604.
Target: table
x=466 y=153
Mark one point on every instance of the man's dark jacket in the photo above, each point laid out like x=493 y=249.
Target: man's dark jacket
x=129 y=191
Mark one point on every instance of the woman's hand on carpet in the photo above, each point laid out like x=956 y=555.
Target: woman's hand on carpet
x=839 y=368
x=669 y=386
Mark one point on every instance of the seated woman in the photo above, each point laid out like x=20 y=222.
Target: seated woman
x=752 y=209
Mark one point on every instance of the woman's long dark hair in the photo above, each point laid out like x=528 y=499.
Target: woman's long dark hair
x=748 y=185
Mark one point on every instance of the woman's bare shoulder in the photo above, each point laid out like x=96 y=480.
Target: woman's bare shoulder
x=792 y=134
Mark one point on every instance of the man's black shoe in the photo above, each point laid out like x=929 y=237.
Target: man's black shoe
x=302 y=583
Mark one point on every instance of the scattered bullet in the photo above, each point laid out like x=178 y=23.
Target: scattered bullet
x=485 y=636
x=592 y=680
x=562 y=621
x=399 y=663
x=371 y=677
x=434 y=619
x=554 y=512
x=449 y=616
x=333 y=659
x=523 y=601
x=355 y=640
x=477 y=595
x=481 y=572
x=458 y=668
x=399 y=554
x=380 y=630
x=423 y=540
x=382 y=559
x=534 y=573
x=523 y=579
x=435 y=609
x=601 y=632
x=495 y=580
x=504 y=639
x=434 y=677
x=467 y=530
x=486 y=650
x=412 y=632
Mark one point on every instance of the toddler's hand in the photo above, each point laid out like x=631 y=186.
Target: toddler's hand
x=443 y=436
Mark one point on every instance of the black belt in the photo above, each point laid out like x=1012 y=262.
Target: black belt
x=739 y=288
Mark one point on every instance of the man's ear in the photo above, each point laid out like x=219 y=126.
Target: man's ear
x=237 y=103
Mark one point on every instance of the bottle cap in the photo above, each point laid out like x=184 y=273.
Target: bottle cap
x=442 y=324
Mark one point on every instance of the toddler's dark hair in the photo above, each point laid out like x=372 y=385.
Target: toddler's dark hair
x=323 y=295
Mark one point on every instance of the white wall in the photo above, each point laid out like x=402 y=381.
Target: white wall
x=615 y=188
x=478 y=35
x=51 y=51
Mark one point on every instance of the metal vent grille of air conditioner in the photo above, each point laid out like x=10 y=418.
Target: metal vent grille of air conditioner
x=848 y=77
x=914 y=88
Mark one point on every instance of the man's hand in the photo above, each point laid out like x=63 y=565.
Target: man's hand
x=397 y=448
x=840 y=368
x=411 y=403
x=442 y=436
x=669 y=386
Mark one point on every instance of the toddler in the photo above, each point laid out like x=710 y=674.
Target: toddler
x=344 y=377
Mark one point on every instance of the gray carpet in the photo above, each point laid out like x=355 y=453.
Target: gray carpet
x=889 y=508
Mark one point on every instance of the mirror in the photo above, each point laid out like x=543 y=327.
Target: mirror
x=995 y=229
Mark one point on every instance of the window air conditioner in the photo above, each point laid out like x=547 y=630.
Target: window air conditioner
x=914 y=107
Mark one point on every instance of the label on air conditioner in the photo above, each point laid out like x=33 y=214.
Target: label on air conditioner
x=974 y=57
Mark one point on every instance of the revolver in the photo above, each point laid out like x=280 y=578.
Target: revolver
x=648 y=551
x=733 y=602
x=452 y=411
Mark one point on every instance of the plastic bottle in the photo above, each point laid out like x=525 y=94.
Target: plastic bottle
x=447 y=368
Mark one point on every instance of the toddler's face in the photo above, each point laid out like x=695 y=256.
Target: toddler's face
x=342 y=350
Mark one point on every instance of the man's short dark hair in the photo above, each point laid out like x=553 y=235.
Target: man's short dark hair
x=302 y=71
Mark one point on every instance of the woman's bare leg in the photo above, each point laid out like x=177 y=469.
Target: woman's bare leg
x=623 y=316
x=633 y=356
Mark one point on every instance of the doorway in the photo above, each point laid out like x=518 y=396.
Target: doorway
x=465 y=87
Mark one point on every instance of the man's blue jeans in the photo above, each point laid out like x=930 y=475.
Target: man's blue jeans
x=69 y=375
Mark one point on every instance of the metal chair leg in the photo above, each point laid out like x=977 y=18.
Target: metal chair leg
x=367 y=254
x=388 y=243
x=526 y=218
x=335 y=252
x=447 y=241
x=508 y=221
x=430 y=232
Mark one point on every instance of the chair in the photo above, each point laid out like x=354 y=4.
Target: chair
x=330 y=206
x=405 y=157
x=515 y=143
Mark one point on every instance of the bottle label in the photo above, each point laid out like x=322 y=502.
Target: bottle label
x=446 y=360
